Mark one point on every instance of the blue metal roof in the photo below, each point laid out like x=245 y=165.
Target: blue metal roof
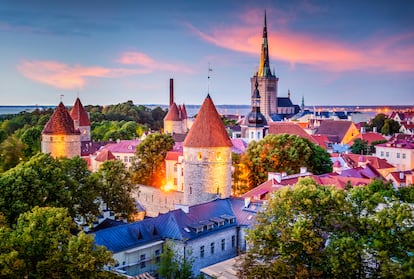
x=178 y=225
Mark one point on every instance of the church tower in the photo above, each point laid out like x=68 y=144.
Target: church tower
x=266 y=79
x=59 y=136
x=207 y=157
x=81 y=120
x=256 y=122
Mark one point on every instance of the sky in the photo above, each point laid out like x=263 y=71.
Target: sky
x=108 y=52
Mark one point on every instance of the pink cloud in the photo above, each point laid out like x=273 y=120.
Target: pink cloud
x=380 y=54
x=64 y=76
x=142 y=60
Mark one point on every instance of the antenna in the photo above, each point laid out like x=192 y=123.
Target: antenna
x=208 y=77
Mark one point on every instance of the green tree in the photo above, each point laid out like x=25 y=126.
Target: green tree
x=116 y=187
x=11 y=153
x=173 y=265
x=31 y=137
x=148 y=167
x=390 y=127
x=283 y=153
x=360 y=147
x=42 y=246
x=313 y=231
x=378 y=121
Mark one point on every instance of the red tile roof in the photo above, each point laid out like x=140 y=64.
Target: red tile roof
x=173 y=155
x=378 y=163
x=369 y=137
x=105 y=155
x=322 y=140
x=208 y=129
x=173 y=113
x=79 y=113
x=291 y=128
x=60 y=123
x=123 y=146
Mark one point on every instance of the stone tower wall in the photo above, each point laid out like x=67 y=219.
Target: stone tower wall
x=268 y=93
x=207 y=174
x=58 y=146
x=85 y=133
x=171 y=127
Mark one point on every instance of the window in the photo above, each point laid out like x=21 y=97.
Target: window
x=252 y=135
x=223 y=244
x=382 y=153
x=157 y=256
x=142 y=260
x=387 y=154
x=233 y=241
x=125 y=159
x=212 y=248
x=398 y=155
x=218 y=156
x=199 y=156
x=202 y=251
x=403 y=155
x=258 y=135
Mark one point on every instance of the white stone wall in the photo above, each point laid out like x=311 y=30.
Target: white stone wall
x=58 y=146
x=207 y=174
x=401 y=158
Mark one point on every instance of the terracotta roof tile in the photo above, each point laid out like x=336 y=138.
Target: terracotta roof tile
x=105 y=155
x=291 y=128
x=60 y=123
x=173 y=113
x=208 y=129
x=79 y=113
x=173 y=155
x=369 y=137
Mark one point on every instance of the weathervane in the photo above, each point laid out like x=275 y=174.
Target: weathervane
x=61 y=97
x=208 y=77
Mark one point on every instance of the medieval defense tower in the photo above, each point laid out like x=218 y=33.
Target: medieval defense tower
x=266 y=79
x=175 y=122
x=59 y=136
x=207 y=157
x=81 y=120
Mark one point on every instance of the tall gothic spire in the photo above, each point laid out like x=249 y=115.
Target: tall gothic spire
x=264 y=66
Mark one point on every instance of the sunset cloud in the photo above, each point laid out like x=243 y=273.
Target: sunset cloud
x=64 y=76
x=379 y=54
x=146 y=62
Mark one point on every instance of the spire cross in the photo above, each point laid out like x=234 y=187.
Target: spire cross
x=208 y=77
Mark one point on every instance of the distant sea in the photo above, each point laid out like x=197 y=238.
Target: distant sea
x=233 y=109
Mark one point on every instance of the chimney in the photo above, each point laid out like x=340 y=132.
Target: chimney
x=303 y=170
x=276 y=178
x=171 y=91
x=246 y=202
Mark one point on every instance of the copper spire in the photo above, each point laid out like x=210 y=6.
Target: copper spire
x=264 y=66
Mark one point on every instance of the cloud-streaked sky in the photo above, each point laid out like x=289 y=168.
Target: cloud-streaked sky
x=107 y=52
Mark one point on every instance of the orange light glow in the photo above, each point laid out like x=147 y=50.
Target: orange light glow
x=167 y=187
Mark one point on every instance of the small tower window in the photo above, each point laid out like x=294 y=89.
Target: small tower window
x=218 y=156
x=199 y=156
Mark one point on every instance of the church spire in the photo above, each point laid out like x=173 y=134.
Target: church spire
x=264 y=66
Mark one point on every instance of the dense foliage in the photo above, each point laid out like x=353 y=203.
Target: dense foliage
x=46 y=181
x=173 y=265
x=148 y=167
x=42 y=246
x=313 y=231
x=384 y=125
x=282 y=153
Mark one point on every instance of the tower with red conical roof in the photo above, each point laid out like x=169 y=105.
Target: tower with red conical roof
x=60 y=138
x=175 y=122
x=207 y=157
x=81 y=120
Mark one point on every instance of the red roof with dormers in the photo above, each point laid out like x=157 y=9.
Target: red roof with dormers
x=60 y=123
x=173 y=113
x=208 y=129
x=79 y=113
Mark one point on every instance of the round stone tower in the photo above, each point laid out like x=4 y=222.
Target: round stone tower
x=59 y=136
x=81 y=120
x=207 y=157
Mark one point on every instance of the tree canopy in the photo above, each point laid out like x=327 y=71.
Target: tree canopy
x=149 y=165
x=313 y=231
x=42 y=246
x=283 y=153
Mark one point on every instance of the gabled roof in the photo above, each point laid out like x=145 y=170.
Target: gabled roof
x=322 y=140
x=123 y=146
x=105 y=155
x=239 y=146
x=378 y=163
x=173 y=113
x=369 y=137
x=337 y=128
x=173 y=155
x=291 y=128
x=60 y=123
x=208 y=129
x=79 y=113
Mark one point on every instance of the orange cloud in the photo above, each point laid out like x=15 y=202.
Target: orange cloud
x=383 y=54
x=146 y=62
x=63 y=76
